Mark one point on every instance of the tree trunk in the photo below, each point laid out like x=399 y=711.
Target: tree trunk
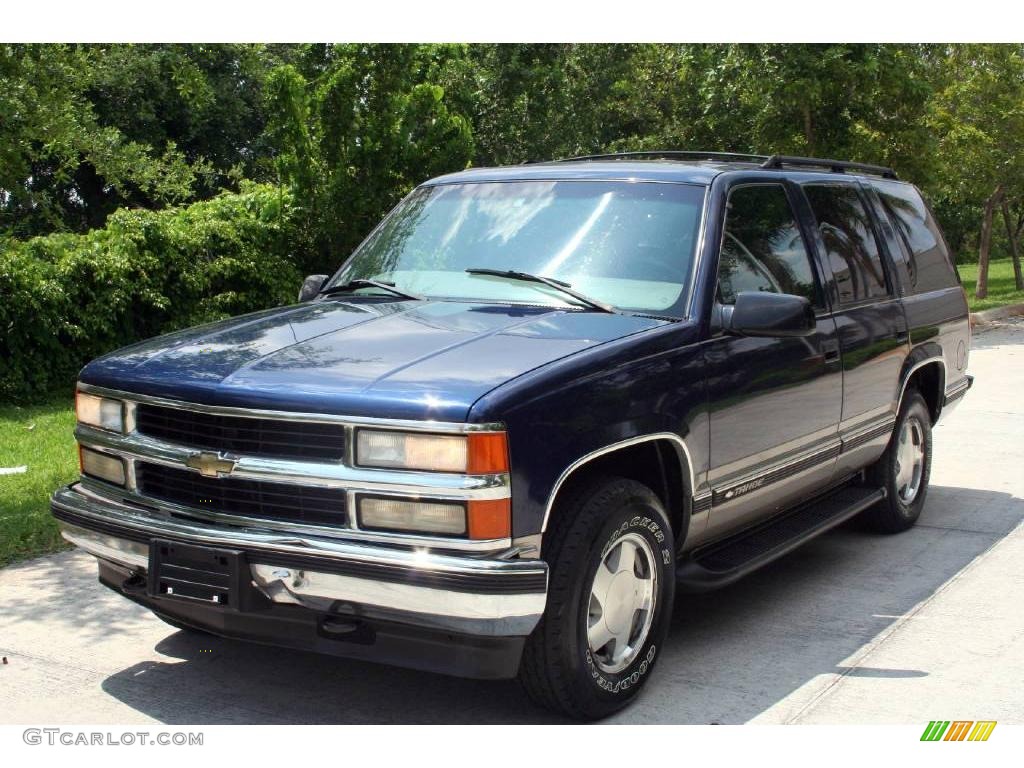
x=1014 y=253
x=981 y=289
x=808 y=129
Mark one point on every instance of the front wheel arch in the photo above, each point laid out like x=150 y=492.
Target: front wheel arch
x=659 y=461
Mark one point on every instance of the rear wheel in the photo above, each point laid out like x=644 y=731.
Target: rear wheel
x=611 y=553
x=904 y=468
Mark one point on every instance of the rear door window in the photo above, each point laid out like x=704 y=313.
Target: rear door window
x=850 y=242
x=928 y=262
x=762 y=248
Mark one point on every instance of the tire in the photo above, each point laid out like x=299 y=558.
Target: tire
x=620 y=527
x=906 y=489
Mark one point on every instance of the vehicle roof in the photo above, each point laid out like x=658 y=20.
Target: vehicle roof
x=686 y=171
x=625 y=170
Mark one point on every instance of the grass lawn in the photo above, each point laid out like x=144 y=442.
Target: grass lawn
x=40 y=438
x=1001 y=290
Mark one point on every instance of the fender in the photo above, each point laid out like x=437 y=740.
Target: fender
x=682 y=452
x=925 y=354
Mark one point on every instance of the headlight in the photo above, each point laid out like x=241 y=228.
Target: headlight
x=491 y=519
x=413 y=516
x=99 y=412
x=101 y=465
x=476 y=452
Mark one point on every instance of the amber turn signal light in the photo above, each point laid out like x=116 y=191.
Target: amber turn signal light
x=490 y=519
x=488 y=453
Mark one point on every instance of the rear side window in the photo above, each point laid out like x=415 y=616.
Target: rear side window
x=928 y=260
x=762 y=248
x=849 y=242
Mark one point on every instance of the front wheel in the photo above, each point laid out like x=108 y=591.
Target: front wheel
x=612 y=558
x=904 y=468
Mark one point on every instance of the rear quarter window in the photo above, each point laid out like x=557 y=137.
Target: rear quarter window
x=928 y=263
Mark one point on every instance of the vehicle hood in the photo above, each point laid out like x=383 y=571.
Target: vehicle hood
x=417 y=360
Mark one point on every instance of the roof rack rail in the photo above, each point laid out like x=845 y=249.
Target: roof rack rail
x=664 y=154
x=836 y=166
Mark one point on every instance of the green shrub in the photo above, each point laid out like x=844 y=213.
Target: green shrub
x=65 y=299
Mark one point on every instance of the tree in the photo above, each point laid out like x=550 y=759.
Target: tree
x=87 y=129
x=977 y=115
x=49 y=132
x=356 y=139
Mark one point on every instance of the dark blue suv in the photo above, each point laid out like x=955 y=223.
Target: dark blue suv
x=532 y=405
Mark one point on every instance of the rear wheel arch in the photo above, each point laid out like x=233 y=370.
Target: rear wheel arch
x=928 y=377
x=659 y=461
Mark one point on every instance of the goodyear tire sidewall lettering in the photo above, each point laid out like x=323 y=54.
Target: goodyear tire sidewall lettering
x=632 y=675
x=628 y=679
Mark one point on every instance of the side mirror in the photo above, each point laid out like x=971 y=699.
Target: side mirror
x=758 y=313
x=311 y=287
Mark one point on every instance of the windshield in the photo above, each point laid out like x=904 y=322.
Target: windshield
x=627 y=244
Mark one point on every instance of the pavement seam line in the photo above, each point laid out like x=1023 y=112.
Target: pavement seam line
x=875 y=644
x=970 y=531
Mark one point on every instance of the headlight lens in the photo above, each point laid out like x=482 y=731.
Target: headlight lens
x=412 y=516
x=99 y=412
x=476 y=453
x=476 y=519
x=410 y=450
x=102 y=466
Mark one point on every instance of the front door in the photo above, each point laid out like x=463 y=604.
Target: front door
x=775 y=402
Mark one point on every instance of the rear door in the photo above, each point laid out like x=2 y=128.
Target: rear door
x=869 y=317
x=933 y=299
x=775 y=402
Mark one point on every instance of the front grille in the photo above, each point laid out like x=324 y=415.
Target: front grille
x=242 y=435
x=251 y=498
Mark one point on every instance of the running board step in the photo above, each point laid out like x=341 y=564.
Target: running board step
x=723 y=562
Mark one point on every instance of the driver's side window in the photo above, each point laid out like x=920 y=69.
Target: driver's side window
x=762 y=248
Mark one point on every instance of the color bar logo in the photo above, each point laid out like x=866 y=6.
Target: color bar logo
x=958 y=730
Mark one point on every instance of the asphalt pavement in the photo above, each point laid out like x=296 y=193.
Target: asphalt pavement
x=851 y=628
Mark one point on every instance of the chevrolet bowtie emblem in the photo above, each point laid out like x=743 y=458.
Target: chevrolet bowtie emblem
x=210 y=464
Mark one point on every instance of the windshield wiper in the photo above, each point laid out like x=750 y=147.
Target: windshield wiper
x=558 y=285
x=352 y=285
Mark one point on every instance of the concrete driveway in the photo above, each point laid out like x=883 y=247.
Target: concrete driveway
x=853 y=628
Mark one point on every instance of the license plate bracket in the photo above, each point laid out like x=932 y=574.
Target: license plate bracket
x=196 y=573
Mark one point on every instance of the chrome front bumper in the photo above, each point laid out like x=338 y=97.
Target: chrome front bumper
x=481 y=596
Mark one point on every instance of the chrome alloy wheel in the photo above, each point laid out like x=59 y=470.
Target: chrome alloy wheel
x=622 y=598
x=910 y=460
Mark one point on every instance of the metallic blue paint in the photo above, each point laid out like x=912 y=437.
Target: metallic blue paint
x=363 y=357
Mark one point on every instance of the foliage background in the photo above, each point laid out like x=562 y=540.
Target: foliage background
x=145 y=188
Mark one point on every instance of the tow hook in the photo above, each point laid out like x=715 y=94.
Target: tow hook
x=347 y=629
